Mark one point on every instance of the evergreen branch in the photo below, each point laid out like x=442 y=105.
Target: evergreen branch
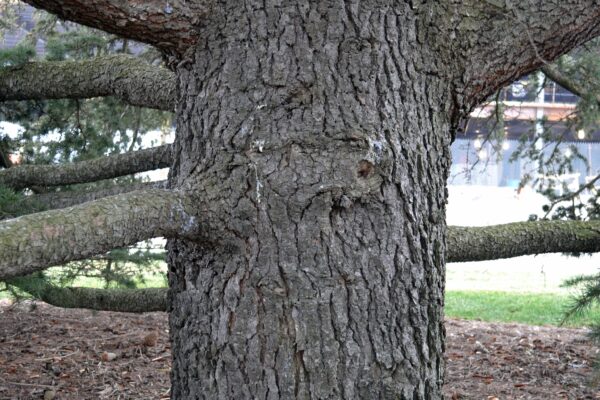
x=563 y=80
x=589 y=295
x=464 y=244
x=87 y=171
x=129 y=78
x=168 y=25
x=121 y=300
x=522 y=238
x=64 y=199
x=571 y=196
x=34 y=242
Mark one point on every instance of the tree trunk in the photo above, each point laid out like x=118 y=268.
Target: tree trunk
x=316 y=137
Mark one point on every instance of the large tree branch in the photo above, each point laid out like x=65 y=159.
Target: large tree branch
x=128 y=78
x=87 y=171
x=121 y=300
x=522 y=238
x=38 y=242
x=34 y=242
x=70 y=198
x=501 y=41
x=168 y=25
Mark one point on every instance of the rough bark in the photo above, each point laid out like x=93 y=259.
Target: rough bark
x=120 y=300
x=317 y=133
x=321 y=149
x=464 y=244
x=34 y=242
x=168 y=25
x=499 y=41
x=130 y=79
x=522 y=238
x=87 y=171
x=69 y=198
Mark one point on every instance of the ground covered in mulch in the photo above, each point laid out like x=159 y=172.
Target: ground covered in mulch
x=50 y=353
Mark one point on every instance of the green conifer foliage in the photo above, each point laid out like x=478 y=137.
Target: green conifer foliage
x=60 y=131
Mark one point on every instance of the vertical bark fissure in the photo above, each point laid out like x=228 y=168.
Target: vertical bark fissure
x=312 y=134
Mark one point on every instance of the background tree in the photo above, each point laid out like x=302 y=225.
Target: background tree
x=71 y=130
x=305 y=204
x=577 y=71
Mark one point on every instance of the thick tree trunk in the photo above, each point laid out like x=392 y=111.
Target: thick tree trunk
x=317 y=137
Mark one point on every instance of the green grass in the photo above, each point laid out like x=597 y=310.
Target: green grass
x=525 y=308
x=150 y=280
x=506 y=305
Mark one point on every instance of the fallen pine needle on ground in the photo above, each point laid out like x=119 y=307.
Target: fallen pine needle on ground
x=48 y=352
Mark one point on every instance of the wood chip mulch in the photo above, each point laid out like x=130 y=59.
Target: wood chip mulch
x=513 y=361
x=51 y=353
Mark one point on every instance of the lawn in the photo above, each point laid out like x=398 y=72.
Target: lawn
x=526 y=308
x=524 y=290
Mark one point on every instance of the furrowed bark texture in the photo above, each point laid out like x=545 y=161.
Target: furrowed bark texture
x=320 y=149
x=34 y=242
x=500 y=41
x=64 y=199
x=522 y=238
x=87 y=171
x=130 y=79
x=168 y=25
x=464 y=244
x=120 y=300
x=316 y=134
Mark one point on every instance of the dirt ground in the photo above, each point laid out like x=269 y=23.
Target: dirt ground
x=50 y=353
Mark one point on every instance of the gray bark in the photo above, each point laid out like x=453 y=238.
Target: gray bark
x=317 y=134
x=69 y=198
x=168 y=25
x=522 y=238
x=321 y=150
x=499 y=41
x=34 y=242
x=120 y=300
x=130 y=79
x=23 y=176
x=464 y=244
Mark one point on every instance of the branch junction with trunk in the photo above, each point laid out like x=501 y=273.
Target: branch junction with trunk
x=317 y=134
x=464 y=244
x=37 y=241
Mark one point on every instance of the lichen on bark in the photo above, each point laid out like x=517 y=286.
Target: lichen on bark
x=128 y=78
x=34 y=242
x=317 y=135
x=320 y=151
